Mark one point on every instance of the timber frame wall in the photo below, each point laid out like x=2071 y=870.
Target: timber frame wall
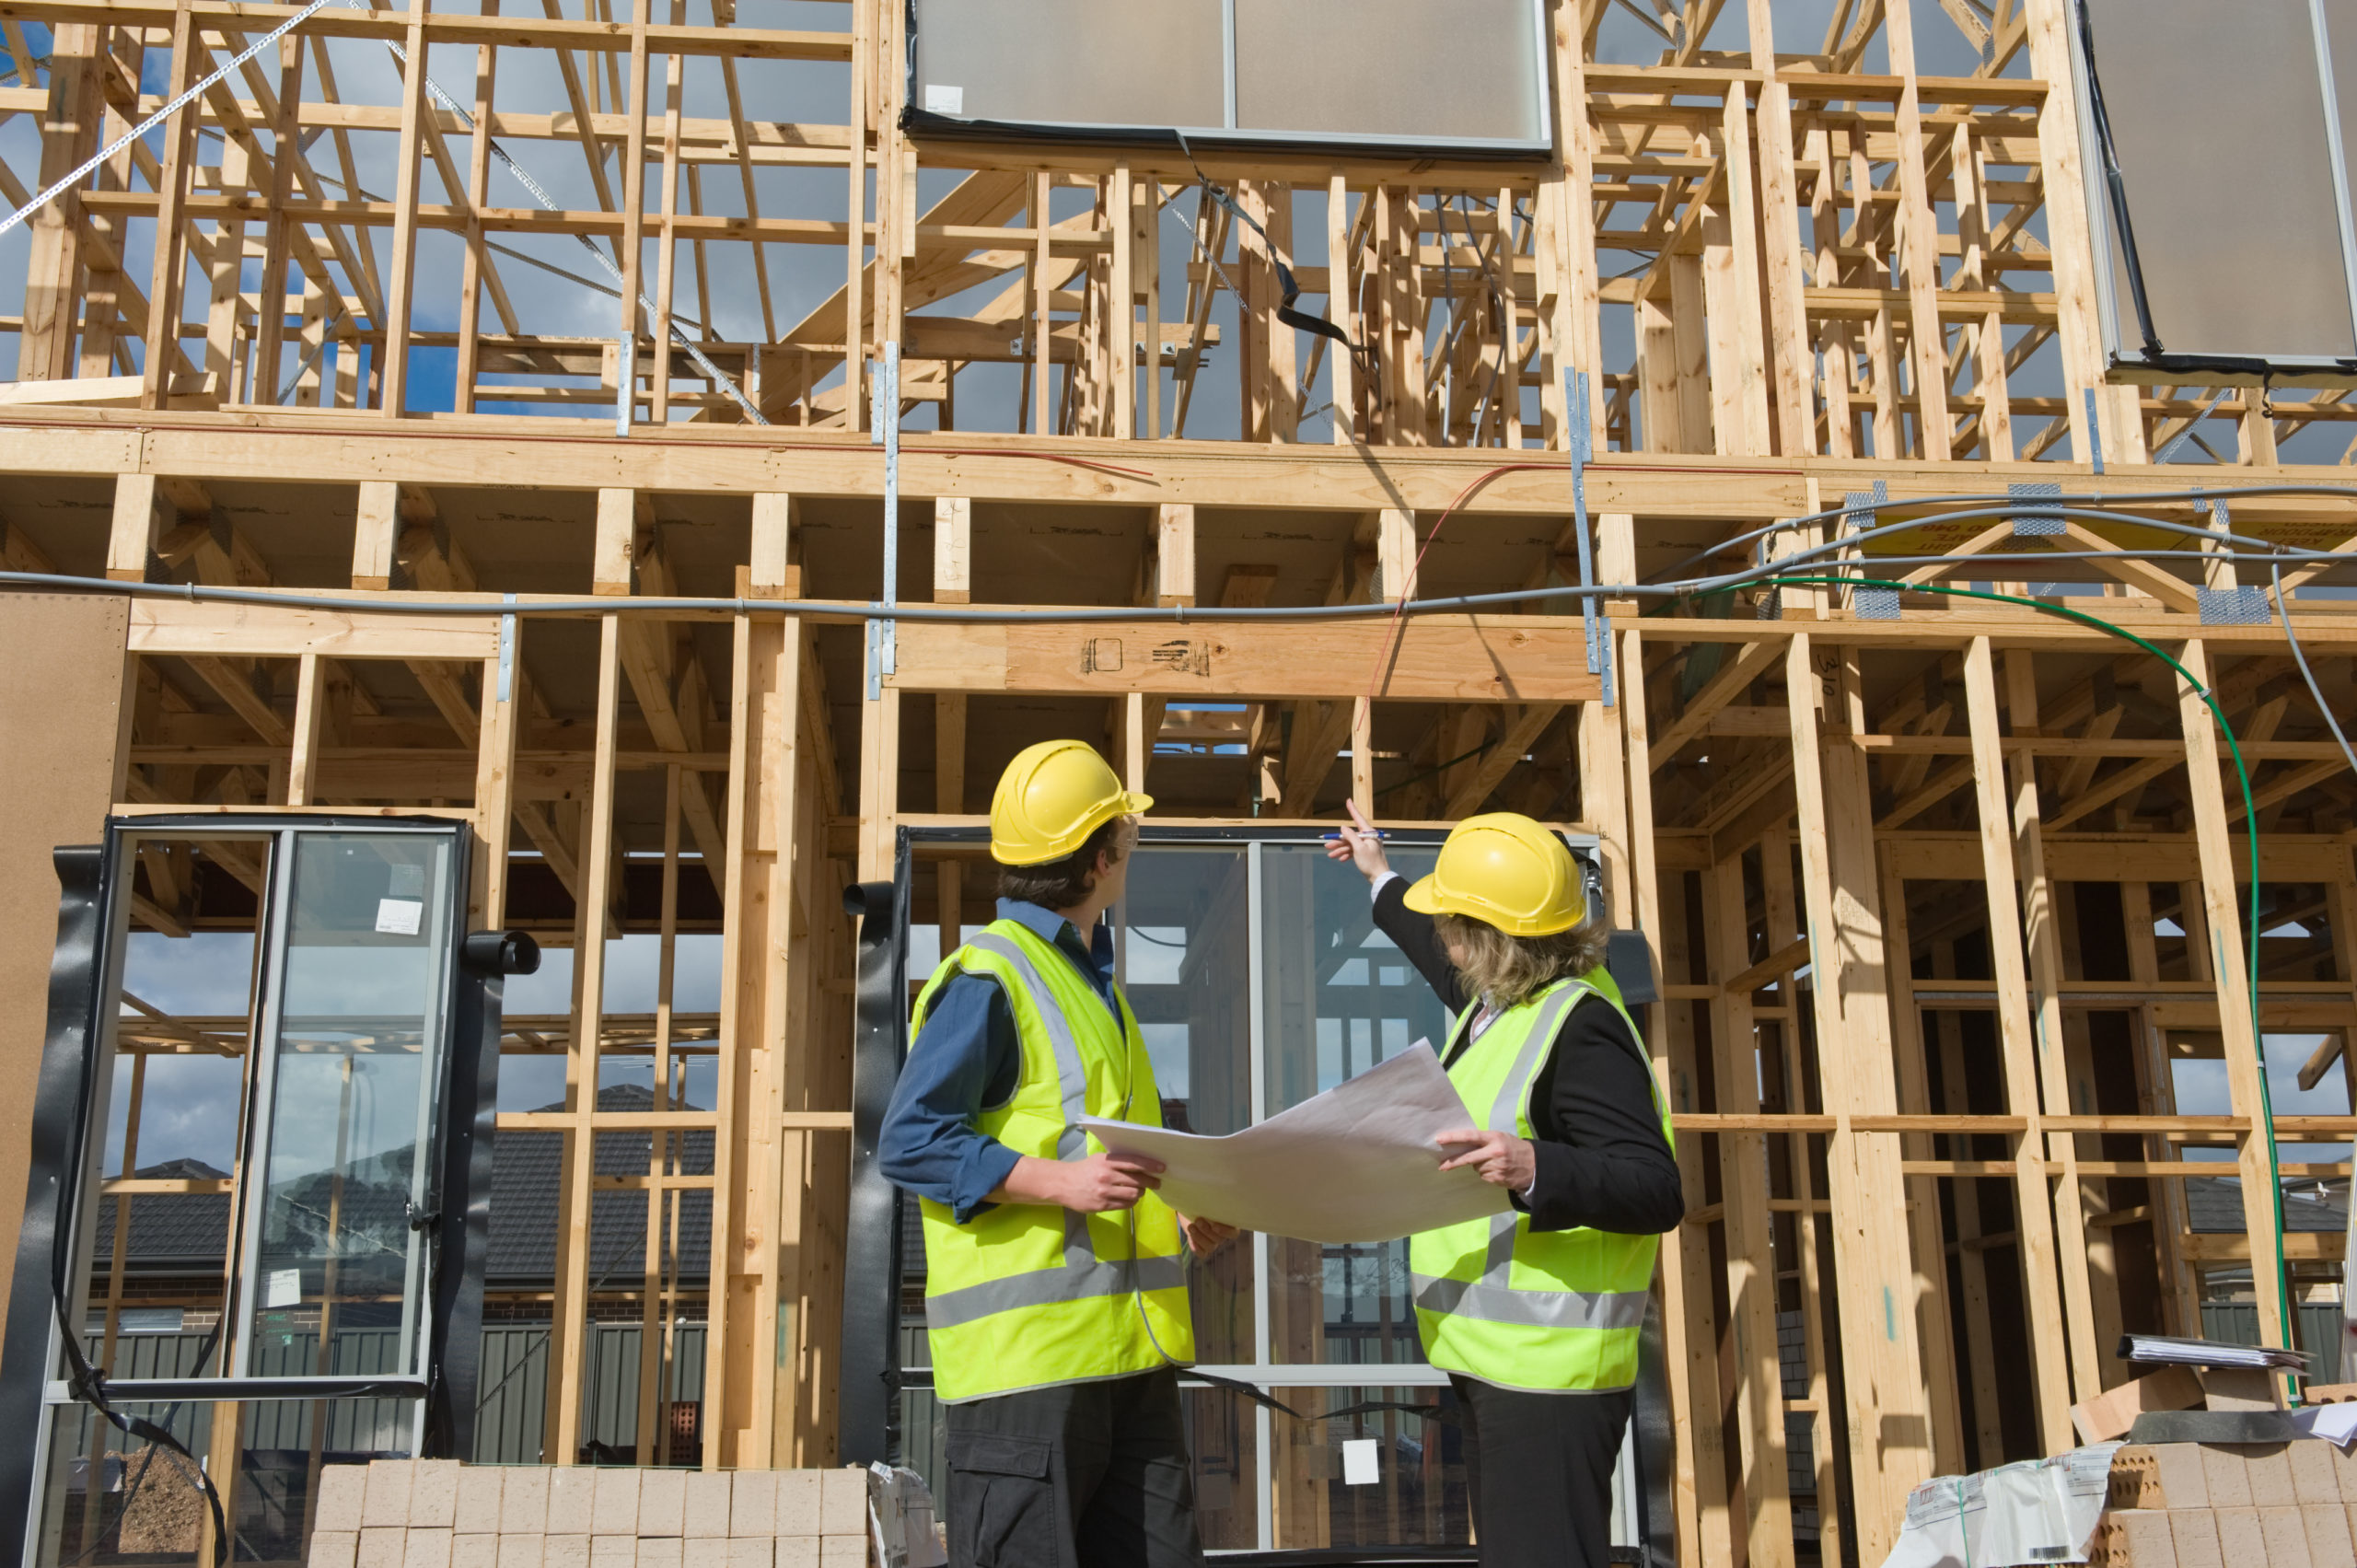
x=1901 y=875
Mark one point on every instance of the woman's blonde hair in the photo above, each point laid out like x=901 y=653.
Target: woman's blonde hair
x=1508 y=970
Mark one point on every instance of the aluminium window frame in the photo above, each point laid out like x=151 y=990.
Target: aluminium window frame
x=69 y=1153
x=2124 y=355
x=919 y=121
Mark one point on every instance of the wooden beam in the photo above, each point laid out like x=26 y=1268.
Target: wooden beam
x=1488 y=770
x=1430 y=658
x=1736 y=677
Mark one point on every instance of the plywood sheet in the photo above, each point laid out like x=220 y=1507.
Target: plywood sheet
x=63 y=659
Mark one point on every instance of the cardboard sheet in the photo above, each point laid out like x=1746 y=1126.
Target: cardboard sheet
x=1359 y=1163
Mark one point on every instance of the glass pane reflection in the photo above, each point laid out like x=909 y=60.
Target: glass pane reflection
x=1187 y=968
x=350 y=1103
x=111 y=1499
x=1338 y=998
x=1224 y=1437
x=1404 y=1486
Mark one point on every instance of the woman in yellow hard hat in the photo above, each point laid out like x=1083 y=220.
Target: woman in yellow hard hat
x=1534 y=1313
x=1055 y=1301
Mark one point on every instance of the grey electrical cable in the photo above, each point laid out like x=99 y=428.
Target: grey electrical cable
x=2284 y=606
x=852 y=609
x=2028 y=506
x=1850 y=541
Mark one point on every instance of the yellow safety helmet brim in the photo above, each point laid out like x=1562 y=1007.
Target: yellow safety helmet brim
x=1506 y=870
x=1050 y=799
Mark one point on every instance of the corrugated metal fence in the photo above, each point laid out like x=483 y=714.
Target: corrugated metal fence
x=510 y=1408
x=2320 y=1331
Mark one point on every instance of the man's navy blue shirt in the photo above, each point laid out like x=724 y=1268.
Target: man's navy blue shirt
x=966 y=1058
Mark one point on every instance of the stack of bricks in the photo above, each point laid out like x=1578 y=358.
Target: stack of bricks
x=2229 y=1506
x=441 y=1514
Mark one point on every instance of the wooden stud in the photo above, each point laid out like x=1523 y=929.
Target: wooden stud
x=570 y=1315
x=2032 y=1215
x=131 y=542
x=494 y=789
x=612 y=563
x=310 y=706
x=772 y=543
x=1890 y=1453
x=375 y=534
x=1395 y=555
x=2041 y=921
x=2221 y=882
x=953 y=550
x=394 y=365
x=164 y=294
x=1174 y=555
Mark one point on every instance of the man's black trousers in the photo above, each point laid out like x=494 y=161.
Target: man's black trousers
x=1084 y=1475
x=1540 y=1468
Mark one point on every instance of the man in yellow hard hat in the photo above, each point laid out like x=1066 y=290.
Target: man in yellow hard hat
x=1056 y=1306
x=1534 y=1313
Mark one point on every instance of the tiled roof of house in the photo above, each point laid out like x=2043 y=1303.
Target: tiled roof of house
x=188 y=1232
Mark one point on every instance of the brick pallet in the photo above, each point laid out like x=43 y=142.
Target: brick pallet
x=442 y=1514
x=2229 y=1506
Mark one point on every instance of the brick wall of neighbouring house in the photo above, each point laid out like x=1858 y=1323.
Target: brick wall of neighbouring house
x=441 y=1514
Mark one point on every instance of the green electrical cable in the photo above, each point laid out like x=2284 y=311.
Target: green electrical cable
x=2250 y=816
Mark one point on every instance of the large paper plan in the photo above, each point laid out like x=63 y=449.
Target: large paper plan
x=1359 y=1163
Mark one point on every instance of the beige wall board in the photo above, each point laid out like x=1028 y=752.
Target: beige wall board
x=65 y=657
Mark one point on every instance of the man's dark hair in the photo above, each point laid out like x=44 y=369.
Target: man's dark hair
x=1060 y=884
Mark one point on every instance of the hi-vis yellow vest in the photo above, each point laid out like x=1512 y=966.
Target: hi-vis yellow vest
x=1544 y=1311
x=1023 y=1295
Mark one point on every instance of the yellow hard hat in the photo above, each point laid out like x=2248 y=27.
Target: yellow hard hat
x=1505 y=869
x=1050 y=799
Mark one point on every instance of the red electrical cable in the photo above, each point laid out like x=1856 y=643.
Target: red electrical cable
x=1399 y=610
x=419 y=432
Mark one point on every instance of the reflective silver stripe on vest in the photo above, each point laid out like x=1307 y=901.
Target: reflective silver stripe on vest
x=1071 y=1086
x=1486 y=1302
x=1498 y=1264
x=1045 y=1287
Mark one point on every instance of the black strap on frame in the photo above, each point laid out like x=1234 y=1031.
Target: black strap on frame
x=1362 y=355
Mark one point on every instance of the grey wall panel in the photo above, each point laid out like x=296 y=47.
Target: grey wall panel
x=1072 y=62
x=1407 y=70
x=2340 y=26
x=1442 y=74
x=2218 y=119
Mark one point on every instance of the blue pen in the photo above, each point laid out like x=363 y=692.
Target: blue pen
x=1337 y=837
